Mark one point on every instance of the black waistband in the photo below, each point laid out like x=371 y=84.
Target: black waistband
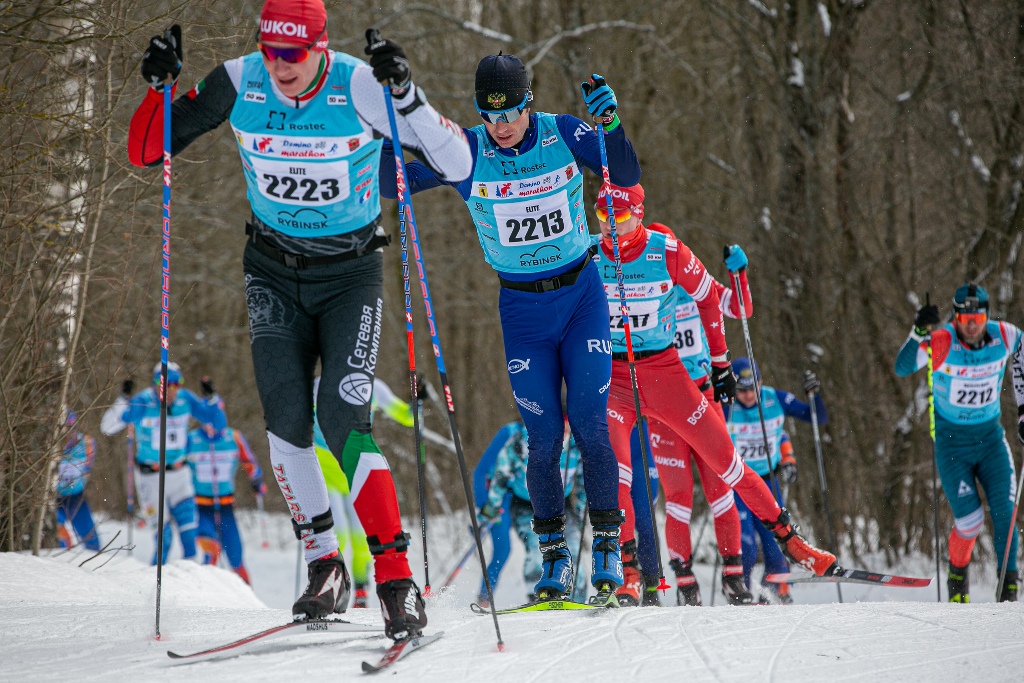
x=622 y=355
x=149 y=468
x=550 y=284
x=299 y=262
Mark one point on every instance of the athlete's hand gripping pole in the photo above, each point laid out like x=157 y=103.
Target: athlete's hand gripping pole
x=935 y=473
x=776 y=489
x=407 y=224
x=821 y=477
x=624 y=312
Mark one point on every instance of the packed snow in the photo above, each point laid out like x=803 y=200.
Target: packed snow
x=60 y=620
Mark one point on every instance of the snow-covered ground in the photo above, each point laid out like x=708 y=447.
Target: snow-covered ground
x=60 y=621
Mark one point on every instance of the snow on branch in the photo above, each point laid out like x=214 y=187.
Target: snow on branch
x=721 y=164
x=826 y=21
x=470 y=26
x=763 y=9
x=976 y=161
x=545 y=46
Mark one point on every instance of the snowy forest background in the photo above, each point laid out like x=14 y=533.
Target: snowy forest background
x=862 y=152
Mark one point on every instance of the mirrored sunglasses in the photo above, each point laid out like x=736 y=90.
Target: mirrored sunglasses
x=292 y=55
x=508 y=116
x=621 y=215
x=977 y=318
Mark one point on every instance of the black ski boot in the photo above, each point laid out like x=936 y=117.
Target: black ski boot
x=1010 y=584
x=650 y=597
x=687 y=590
x=958 y=585
x=327 y=591
x=733 y=587
x=402 y=605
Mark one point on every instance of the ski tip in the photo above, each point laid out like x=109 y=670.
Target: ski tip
x=175 y=655
x=368 y=668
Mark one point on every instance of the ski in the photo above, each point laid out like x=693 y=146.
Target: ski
x=853 y=576
x=400 y=650
x=544 y=606
x=238 y=647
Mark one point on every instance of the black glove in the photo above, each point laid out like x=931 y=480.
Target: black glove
x=163 y=58
x=388 y=61
x=207 y=386
x=724 y=382
x=1020 y=427
x=927 y=315
x=128 y=386
x=787 y=473
x=422 y=391
x=812 y=385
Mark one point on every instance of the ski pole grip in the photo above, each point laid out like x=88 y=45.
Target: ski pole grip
x=372 y=36
x=725 y=252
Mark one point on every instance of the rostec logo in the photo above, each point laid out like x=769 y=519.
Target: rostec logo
x=284 y=28
x=699 y=412
x=516 y=366
x=509 y=168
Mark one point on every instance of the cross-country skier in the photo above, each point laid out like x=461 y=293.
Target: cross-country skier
x=675 y=458
x=72 y=477
x=214 y=457
x=525 y=198
x=308 y=122
x=507 y=493
x=143 y=411
x=744 y=422
x=653 y=264
x=969 y=357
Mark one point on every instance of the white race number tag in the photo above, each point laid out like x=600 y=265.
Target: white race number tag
x=688 y=340
x=534 y=221
x=974 y=393
x=291 y=182
x=177 y=433
x=643 y=315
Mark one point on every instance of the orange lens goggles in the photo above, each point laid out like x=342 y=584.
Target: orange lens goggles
x=620 y=214
x=976 y=318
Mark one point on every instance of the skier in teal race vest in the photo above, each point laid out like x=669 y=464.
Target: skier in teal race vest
x=72 y=477
x=968 y=357
x=309 y=123
x=525 y=197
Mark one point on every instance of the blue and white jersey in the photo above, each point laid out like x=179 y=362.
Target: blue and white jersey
x=650 y=297
x=745 y=429
x=511 y=464
x=310 y=171
x=528 y=209
x=75 y=466
x=215 y=461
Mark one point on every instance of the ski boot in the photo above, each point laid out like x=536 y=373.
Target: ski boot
x=628 y=594
x=650 y=597
x=361 y=595
x=782 y=594
x=556 y=562
x=606 y=573
x=687 y=590
x=958 y=584
x=327 y=591
x=733 y=587
x=1010 y=584
x=403 y=609
x=821 y=562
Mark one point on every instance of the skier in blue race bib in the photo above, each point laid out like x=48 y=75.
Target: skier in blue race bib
x=968 y=360
x=72 y=477
x=525 y=197
x=143 y=411
x=309 y=123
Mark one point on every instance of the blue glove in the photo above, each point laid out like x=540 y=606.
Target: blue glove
x=735 y=259
x=600 y=99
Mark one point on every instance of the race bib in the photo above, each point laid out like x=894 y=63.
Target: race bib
x=302 y=184
x=974 y=393
x=211 y=469
x=643 y=315
x=177 y=434
x=752 y=448
x=688 y=340
x=532 y=222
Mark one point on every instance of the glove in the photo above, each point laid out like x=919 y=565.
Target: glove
x=207 y=385
x=787 y=473
x=422 y=390
x=487 y=514
x=163 y=58
x=388 y=61
x=128 y=387
x=927 y=317
x=812 y=385
x=724 y=382
x=599 y=98
x=735 y=259
x=258 y=487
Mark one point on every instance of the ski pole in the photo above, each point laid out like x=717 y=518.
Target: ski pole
x=216 y=502
x=776 y=489
x=165 y=334
x=714 y=575
x=129 y=479
x=935 y=473
x=599 y=129
x=454 y=573
x=298 y=570
x=421 y=451
x=821 y=478
x=404 y=206
x=262 y=513
x=1009 y=536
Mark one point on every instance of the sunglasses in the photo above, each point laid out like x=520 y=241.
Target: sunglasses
x=508 y=116
x=621 y=215
x=292 y=55
x=976 y=318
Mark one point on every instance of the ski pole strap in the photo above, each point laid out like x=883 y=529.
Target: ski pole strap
x=298 y=262
x=318 y=524
x=399 y=545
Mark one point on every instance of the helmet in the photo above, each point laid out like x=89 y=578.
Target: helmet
x=502 y=83
x=173 y=373
x=746 y=372
x=970 y=298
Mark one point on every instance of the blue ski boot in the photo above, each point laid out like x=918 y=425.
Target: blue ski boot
x=556 y=580
x=606 y=576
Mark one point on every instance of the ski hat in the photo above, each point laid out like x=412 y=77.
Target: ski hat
x=72 y=418
x=745 y=374
x=631 y=198
x=295 y=22
x=173 y=373
x=970 y=298
x=502 y=83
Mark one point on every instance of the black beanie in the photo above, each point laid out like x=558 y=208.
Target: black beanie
x=501 y=83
